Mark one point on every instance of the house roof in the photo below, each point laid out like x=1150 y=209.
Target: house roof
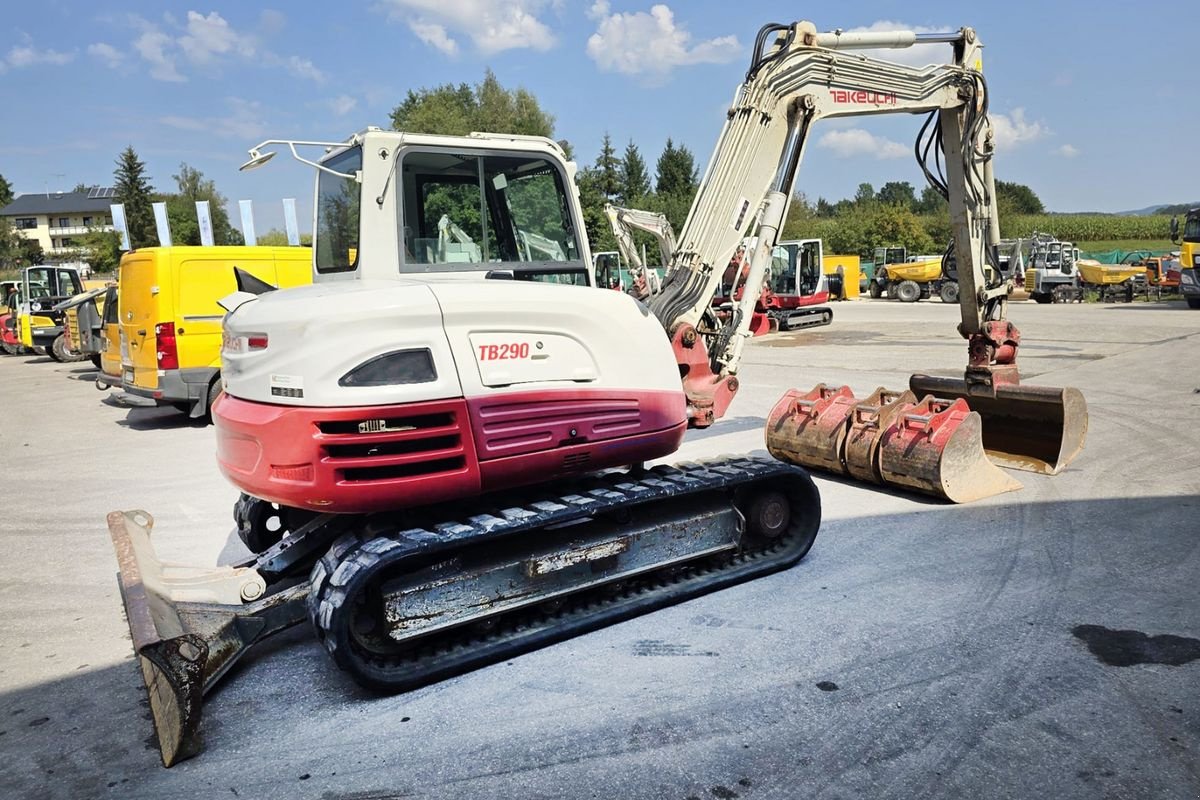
x=96 y=199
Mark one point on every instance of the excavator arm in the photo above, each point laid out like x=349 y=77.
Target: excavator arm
x=624 y=221
x=796 y=77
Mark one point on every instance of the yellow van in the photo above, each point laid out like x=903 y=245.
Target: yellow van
x=170 y=322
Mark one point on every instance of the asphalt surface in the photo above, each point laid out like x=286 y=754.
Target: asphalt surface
x=1044 y=643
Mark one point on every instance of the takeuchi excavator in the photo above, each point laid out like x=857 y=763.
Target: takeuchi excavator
x=441 y=453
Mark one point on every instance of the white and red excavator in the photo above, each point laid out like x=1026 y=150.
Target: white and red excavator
x=440 y=441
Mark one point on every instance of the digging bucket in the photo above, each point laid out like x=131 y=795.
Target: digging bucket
x=936 y=447
x=809 y=429
x=189 y=626
x=868 y=420
x=1034 y=428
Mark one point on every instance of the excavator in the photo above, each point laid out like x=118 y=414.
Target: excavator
x=623 y=222
x=443 y=462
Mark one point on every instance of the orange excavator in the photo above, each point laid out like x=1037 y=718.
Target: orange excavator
x=440 y=449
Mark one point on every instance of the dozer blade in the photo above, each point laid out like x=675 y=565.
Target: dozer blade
x=935 y=447
x=869 y=419
x=809 y=429
x=189 y=626
x=1034 y=428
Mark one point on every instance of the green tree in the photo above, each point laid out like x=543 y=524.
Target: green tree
x=30 y=253
x=6 y=192
x=898 y=193
x=635 y=181
x=608 y=169
x=10 y=245
x=278 y=238
x=181 y=209
x=592 y=199
x=865 y=196
x=458 y=110
x=889 y=225
x=134 y=191
x=675 y=173
x=931 y=202
x=1017 y=198
x=101 y=249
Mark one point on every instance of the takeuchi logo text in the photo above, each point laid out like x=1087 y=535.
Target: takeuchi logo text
x=861 y=96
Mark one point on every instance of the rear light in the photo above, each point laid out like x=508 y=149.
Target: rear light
x=244 y=343
x=166 y=350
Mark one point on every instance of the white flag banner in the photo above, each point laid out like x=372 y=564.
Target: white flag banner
x=204 y=217
x=119 y=224
x=289 y=221
x=247 y=209
x=162 y=224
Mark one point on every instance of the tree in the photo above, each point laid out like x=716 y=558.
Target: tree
x=10 y=245
x=134 y=191
x=592 y=200
x=6 y=192
x=457 y=110
x=278 y=238
x=181 y=209
x=30 y=252
x=608 y=169
x=897 y=193
x=931 y=202
x=865 y=196
x=675 y=173
x=1017 y=198
x=101 y=249
x=635 y=181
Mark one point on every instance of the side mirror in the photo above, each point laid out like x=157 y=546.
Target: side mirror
x=1175 y=230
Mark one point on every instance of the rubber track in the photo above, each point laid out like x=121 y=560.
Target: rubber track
x=438 y=656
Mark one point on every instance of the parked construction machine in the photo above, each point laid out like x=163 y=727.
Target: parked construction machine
x=440 y=460
x=1189 y=256
x=623 y=221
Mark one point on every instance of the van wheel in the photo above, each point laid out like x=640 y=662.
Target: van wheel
x=214 y=391
x=62 y=353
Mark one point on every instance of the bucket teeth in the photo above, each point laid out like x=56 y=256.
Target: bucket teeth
x=934 y=446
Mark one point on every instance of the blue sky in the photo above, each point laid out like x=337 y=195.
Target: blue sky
x=1093 y=102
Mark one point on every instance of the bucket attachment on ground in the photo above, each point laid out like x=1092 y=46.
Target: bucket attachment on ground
x=1034 y=428
x=189 y=626
x=869 y=419
x=936 y=447
x=809 y=429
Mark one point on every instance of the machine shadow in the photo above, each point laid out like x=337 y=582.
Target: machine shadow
x=87 y=733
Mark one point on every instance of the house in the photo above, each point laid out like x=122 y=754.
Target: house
x=57 y=219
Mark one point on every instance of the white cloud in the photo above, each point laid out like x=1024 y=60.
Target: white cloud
x=853 y=142
x=27 y=55
x=435 y=35
x=303 y=68
x=1013 y=129
x=110 y=55
x=492 y=25
x=209 y=36
x=1068 y=151
x=650 y=45
x=343 y=104
x=210 y=39
x=916 y=56
x=153 y=46
x=244 y=120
